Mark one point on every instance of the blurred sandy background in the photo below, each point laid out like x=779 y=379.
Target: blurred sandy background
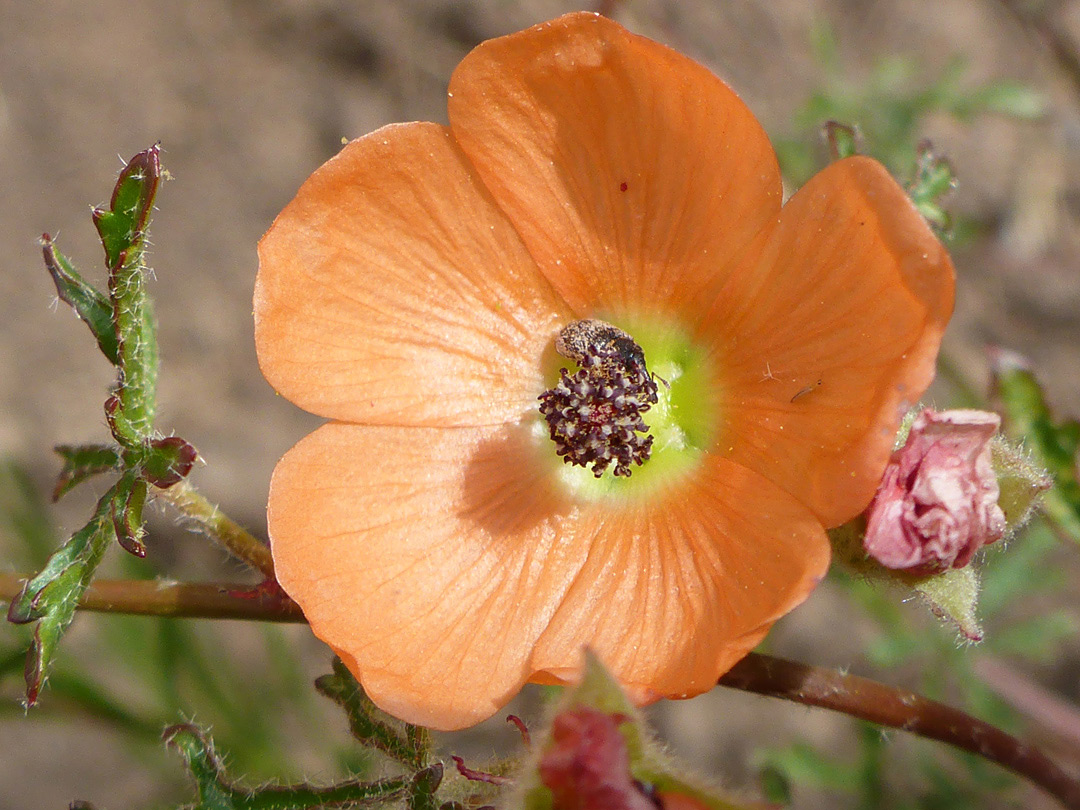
x=248 y=97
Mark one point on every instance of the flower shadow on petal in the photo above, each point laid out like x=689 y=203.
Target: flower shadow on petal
x=506 y=490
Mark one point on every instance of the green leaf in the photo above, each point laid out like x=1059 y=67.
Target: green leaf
x=1039 y=639
x=1052 y=444
x=83 y=693
x=125 y=511
x=81 y=462
x=122 y=228
x=52 y=596
x=167 y=461
x=90 y=304
x=1011 y=98
x=934 y=178
x=366 y=721
x=215 y=792
x=842 y=140
x=24 y=516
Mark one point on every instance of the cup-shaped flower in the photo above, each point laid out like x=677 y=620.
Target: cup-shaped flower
x=938 y=500
x=415 y=292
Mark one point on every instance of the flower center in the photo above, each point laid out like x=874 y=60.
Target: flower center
x=594 y=416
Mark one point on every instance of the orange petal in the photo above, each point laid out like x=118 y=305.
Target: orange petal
x=672 y=595
x=434 y=561
x=429 y=559
x=392 y=290
x=634 y=175
x=827 y=338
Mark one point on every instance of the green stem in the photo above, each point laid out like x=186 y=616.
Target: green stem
x=233 y=537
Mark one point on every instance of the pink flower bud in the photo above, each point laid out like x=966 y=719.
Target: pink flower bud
x=587 y=766
x=938 y=499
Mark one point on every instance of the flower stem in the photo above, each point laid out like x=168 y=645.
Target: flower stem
x=177 y=599
x=235 y=539
x=899 y=708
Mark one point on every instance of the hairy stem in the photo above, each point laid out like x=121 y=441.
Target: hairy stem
x=178 y=599
x=762 y=674
x=233 y=537
x=899 y=708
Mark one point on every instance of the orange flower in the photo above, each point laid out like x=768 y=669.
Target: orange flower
x=413 y=292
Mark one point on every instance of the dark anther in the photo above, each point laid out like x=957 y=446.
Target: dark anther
x=594 y=415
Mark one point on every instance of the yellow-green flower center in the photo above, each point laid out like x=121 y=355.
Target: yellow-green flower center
x=635 y=415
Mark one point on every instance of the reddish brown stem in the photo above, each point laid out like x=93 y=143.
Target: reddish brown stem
x=899 y=708
x=761 y=674
x=179 y=599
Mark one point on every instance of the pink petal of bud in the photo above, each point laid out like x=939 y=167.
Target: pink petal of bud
x=938 y=499
x=587 y=766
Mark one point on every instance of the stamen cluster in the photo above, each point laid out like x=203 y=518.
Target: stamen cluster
x=594 y=415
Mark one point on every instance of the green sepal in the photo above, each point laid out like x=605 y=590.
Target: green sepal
x=649 y=764
x=122 y=226
x=51 y=597
x=90 y=304
x=1021 y=482
x=370 y=726
x=81 y=462
x=1051 y=444
x=952 y=595
x=216 y=792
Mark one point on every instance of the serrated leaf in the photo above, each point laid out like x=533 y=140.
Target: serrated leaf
x=365 y=719
x=81 y=462
x=90 y=304
x=52 y=596
x=1053 y=444
x=215 y=792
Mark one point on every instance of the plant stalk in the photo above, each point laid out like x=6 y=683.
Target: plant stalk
x=898 y=708
x=211 y=520
x=187 y=600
